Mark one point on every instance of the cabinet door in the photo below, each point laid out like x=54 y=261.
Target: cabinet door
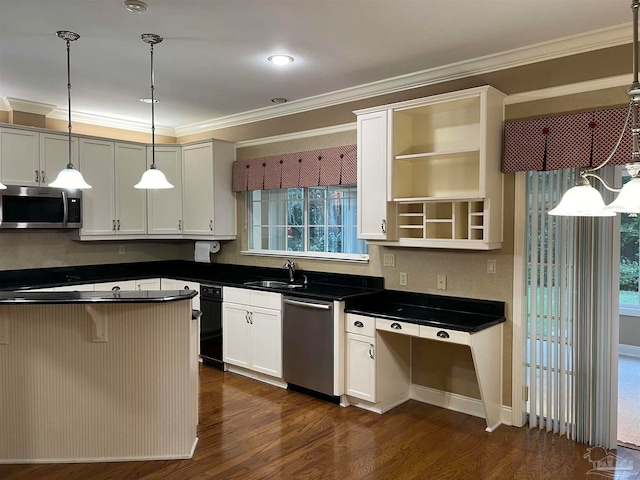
x=197 y=191
x=361 y=367
x=372 y=175
x=236 y=331
x=54 y=156
x=148 y=284
x=165 y=205
x=19 y=157
x=266 y=341
x=98 y=202
x=131 y=203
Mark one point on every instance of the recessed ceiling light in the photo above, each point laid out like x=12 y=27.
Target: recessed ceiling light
x=148 y=100
x=135 y=6
x=279 y=100
x=280 y=59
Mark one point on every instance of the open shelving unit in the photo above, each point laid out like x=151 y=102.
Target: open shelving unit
x=443 y=168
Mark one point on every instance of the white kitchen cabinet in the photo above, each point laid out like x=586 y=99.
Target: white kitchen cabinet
x=112 y=206
x=443 y=157
x=121 y=285
x=54 y=156
x=375 y=222
x=252 y=326
x=34 y=159
x=208 y=204
x=361 y=367
x=377 y=364
x=19 y=157
x=164 y=206
x=172 y=284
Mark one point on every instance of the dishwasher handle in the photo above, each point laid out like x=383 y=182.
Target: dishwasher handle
x=317 y=306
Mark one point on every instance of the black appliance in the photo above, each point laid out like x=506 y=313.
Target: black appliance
x=40 y=207
x=211 y=326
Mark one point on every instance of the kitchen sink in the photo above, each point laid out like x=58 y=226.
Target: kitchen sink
x=273 y=284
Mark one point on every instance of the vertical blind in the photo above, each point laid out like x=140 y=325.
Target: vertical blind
x=572 y=305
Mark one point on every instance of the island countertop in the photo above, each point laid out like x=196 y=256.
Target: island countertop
x=120 y=296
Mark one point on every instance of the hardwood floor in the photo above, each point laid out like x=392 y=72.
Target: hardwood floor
x=249 y=430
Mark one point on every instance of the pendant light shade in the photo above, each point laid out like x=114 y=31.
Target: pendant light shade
x=69 y=178
x=628 y=200
x=582 y=201
x=153 y=178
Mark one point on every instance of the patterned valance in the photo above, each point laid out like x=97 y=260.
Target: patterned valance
x=327 y=166
x=569 y=141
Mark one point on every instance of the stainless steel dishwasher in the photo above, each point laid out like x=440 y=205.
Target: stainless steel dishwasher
x=307 y=344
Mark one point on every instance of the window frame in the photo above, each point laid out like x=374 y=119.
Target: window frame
x=332 y=256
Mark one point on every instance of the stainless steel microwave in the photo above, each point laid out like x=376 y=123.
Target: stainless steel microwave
x=40 y=207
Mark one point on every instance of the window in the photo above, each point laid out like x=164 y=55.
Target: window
x=629 y=257
x=314 y=221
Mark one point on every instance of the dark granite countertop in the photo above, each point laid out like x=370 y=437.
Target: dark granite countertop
x=321 y=286
x=463 y=314
x=133 y=296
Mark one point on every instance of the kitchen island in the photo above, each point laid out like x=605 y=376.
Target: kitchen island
x=97 y=376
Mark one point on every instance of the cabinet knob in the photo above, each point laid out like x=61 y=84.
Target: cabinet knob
x=358 y=324
x=442 y=334
x=37 y=176
x=396 y=326
x=383 y=226
x=371 y=350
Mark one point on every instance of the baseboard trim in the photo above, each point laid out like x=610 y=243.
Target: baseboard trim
x=455 y=402
x=276 y=382
x=629 y=350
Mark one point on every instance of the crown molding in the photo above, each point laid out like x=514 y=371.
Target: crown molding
x=316 y=132
x=100 y=121
x=570 y=89
x=573 y=45
x=27 y=106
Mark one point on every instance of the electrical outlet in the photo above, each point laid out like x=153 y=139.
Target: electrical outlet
x=441 y=282
x=121 y=249
x=389 y=260
x=491 y=266
x=403 y=279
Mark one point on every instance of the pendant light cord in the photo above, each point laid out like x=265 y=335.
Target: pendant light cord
x=69 y=165
x=153 y=120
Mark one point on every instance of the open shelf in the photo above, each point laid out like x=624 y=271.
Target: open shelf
x=456 y=220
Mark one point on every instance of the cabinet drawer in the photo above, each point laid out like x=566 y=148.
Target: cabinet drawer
x=360 y=324
x=398 y=327
x=444 y=335
x=255 y=298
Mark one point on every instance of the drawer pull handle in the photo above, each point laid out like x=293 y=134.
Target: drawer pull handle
x=396 y=326
x=115 y=289
x=358 y=324
x=442 y=334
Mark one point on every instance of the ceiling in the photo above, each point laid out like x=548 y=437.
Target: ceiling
x=212 y=63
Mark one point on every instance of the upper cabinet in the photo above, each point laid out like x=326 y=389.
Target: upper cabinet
x=164 y=206
x=34 y=159
x=112 y=206
x=208 y=204
x=436 y=173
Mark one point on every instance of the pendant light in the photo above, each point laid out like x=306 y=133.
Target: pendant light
x=585 y=201
x=69 y=178
x=152 y=178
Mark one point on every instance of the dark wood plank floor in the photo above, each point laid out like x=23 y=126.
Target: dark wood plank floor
x=250 y=431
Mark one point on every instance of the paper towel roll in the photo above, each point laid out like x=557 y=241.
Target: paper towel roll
x=204 y=249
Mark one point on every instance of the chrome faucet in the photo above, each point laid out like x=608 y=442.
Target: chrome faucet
x=292 y=270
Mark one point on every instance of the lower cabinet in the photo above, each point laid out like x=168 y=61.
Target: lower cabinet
x=377 y=364
x=252 y=326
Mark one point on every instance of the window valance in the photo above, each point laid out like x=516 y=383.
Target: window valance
x=569 y=141
x=327 y=166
